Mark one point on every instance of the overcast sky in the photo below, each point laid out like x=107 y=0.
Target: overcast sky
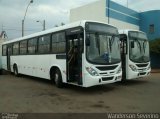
x=53 y=11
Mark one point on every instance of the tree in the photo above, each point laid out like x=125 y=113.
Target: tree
x=155 y=46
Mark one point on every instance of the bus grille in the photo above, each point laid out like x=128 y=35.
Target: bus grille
x=107 y=78
x=142 y=73
x=107 y=68
x=142 y=65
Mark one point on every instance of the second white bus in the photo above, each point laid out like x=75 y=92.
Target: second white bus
x=134 y=54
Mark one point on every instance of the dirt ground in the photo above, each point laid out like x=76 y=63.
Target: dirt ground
x=26 y=94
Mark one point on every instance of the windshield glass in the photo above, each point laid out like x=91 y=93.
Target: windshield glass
x=103 y=48
x=139 y=47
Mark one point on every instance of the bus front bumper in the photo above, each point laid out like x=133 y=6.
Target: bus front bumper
x=101 y=80
x=140 y=74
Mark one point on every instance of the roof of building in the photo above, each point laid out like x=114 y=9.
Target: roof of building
x=3 y=34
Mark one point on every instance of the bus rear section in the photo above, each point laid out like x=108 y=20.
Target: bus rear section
x=135 y=54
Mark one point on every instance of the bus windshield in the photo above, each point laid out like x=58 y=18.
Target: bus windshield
x=139 y=47
x=103 y=45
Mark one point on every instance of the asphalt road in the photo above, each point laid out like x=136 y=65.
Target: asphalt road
x=33 y=95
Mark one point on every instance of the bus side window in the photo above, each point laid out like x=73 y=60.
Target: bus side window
x=58 y=42
x=32 y=46
x=44 y=44
x=23 y=47
x=54 y=43
x=16 y=48
x=61 y=45
x=4 y=50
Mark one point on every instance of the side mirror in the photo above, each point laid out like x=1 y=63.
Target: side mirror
x=132 y=44
x=87 y=41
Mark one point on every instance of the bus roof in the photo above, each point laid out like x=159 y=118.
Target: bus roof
x=122 y=31
x=55 y=29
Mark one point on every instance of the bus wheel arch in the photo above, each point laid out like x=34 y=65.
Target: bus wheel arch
x=15 y=69
x=56 y=76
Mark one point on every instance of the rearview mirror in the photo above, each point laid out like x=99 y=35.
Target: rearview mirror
x=132 y=44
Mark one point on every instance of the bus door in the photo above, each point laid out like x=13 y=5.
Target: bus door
x=9 y=52
x=123 y=40
x=74 y=49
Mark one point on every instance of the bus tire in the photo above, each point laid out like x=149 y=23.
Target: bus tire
x=15 y=70
x=58 y=78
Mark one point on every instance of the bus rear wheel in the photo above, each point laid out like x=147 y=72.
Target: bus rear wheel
x=58 y=78
x=15 y=70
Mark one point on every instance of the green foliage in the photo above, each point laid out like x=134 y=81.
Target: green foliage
x=155 y=45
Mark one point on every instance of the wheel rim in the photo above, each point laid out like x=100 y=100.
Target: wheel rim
x=15 y=71
x=56 y=76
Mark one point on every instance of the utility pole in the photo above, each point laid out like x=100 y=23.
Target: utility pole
x=2 y=27
x=31 y=1
x=43 y=24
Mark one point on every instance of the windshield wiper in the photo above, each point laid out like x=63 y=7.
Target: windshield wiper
x=139 y=44
x=144 y=45
x=111 y=40
x=97 y=42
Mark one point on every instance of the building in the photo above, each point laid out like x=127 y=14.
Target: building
x=3 y=37
x=120 y=16
x=123 y=18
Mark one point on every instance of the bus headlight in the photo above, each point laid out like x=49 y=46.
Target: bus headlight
x=92 y=71
x=149 y=67
x=119 y=70
x=133 y=68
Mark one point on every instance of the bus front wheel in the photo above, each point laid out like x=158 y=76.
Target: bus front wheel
x=58 y=78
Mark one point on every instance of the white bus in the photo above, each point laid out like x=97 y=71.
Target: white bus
x=84 y=53
x=0 y=57
x=134 y=54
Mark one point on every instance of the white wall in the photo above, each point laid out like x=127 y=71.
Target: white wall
x=123 y=25
x=1 y=41
x=97 y=11
x=93 y=11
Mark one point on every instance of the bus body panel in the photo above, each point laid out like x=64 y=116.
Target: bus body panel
x=38 y=65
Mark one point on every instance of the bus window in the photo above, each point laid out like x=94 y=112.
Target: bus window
x=23 y=47
x=4 y=50
x=15 y=48
x=54 y=43
x=61 y=42
x=32 y=45
x=58 y=43
x=44 y=44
